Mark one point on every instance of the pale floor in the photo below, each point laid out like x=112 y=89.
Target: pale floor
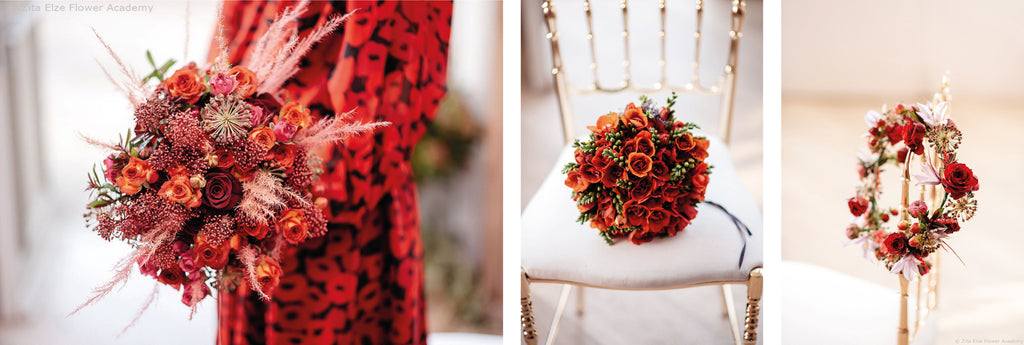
x=980 y=299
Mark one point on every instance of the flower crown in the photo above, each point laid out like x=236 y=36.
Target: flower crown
x=895 y=137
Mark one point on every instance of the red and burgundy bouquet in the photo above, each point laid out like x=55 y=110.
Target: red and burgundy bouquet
x=640 y=174
x=895 y=137
x=216 y=176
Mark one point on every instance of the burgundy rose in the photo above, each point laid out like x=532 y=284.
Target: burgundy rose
x=896 y=243
x=858 y=205
x=223 y=191
x=951 y=224
x=895 y=133
x=913 y=134
x=958 y=180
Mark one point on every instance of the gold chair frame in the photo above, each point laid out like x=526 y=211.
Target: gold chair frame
x=725 y=87
x=928 y=289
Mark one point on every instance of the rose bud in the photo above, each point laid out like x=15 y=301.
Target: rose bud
x=903 y=226
x=885 y=217
x=916 y=228
x=915 y=241
x=917 y=208
x=894 y=212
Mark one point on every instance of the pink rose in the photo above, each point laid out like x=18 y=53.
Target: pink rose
x=147 y=269
x=256 y=115
x=109 y=171
x=918 y=207
x=284 y=131
x=188 y=262
x=194 y=292
x=222 y=84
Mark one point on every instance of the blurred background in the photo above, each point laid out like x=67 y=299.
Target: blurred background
x=51 y=90
x=843 y=58
x=672 y=312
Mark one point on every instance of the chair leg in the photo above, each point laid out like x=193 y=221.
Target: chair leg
x=579 y=302
x=526 y=311
x=729 y=309
x=563 y=299
x=754 y=286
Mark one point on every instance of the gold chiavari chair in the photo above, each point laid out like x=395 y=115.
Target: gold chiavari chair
x=551 y=212
x=926 y=287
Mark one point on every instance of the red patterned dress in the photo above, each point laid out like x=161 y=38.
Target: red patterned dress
x=362 y=283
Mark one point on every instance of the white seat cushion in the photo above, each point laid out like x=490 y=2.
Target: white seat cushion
x=555 y=247
x=828 y=307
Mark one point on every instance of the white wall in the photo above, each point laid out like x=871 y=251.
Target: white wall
x=833 y=48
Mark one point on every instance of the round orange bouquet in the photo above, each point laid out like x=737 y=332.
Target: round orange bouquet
x=640 y=174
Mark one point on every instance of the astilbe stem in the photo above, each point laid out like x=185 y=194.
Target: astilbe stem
x=123 y=270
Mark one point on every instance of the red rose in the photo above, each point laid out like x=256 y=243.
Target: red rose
x=700 y=149
x=901 y=155
x=641 y=190
x=660 y=171
x=657 y=219
x=858 y=205
x=614 y=173
x=913 y=135
x=685 y=142
x=958 y=180
x=293 y=226
x=172 y=277
x=575 y=181
x=600 y=160
x=635 y=213
x=896 y=243
x=222 y=191
x=639 y=164
x=638 y=237
x=700 y=178
x=590 y=173
x=895 y=133
x=634 y=116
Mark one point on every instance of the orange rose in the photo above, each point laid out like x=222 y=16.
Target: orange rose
x=292 y=226
x=268 y=273
x=607 y=121
x=210 y=256
x=179 y=189
x=224 y=158
x=134 y=175
x=283 y=155
x=259 y=231
x=634 y=116
x=296 y=114
x=263 y=136
x=685 y=142
x=246 y=81
x=700 y=149
x=186 y=84
x=639 y=164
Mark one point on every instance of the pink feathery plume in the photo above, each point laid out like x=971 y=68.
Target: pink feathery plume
x=220 y=63
x=99 y=143
x=133 y=87
x=247 y=255
x=260 y=199
x=123 y=272
x=288 y=64
x=334 y=130
x=145 y=306
x=279 y=35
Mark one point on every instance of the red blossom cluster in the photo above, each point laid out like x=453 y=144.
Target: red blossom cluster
x=640 y=174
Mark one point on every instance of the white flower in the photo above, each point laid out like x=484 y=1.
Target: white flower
x=928 y=175
x=907 y=266
x=933 y=115
x=872 y=117
x=866 y=157
x=866 y=244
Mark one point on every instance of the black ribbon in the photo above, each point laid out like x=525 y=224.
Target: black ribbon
x=739 y=226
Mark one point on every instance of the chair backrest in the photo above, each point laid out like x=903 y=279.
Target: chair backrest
x=927 y=287
x=725 y=87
